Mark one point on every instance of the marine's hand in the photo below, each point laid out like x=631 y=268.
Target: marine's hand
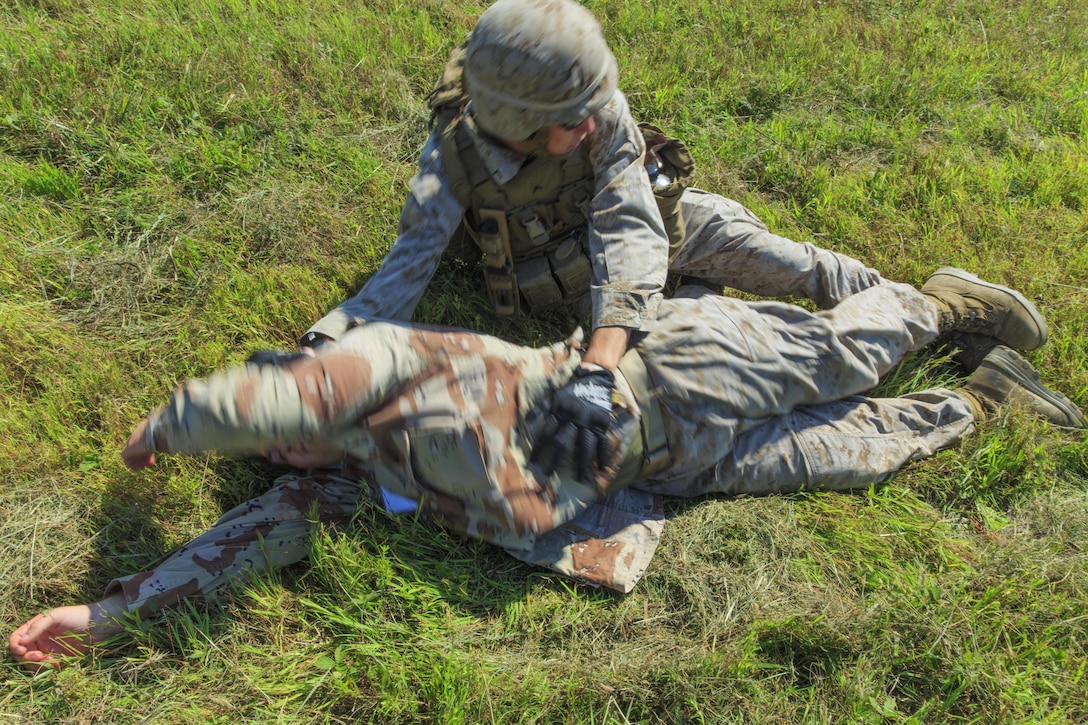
x=577 y=425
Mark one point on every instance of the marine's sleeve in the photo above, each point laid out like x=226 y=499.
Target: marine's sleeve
x=245 y=409
x=428 y=220
x=627 y=238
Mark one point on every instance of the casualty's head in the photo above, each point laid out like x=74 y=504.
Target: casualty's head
x=531 y=65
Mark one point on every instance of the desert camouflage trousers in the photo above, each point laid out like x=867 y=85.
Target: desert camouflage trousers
x=725 y=243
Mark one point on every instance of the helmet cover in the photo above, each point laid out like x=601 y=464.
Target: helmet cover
x=536 y=63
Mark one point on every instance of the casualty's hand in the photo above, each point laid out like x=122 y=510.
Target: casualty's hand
x=135 y=454
x=46 y=639
x=59 y=633
x=577 y=426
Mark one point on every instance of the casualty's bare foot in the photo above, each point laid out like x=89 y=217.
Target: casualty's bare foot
x=46 y=639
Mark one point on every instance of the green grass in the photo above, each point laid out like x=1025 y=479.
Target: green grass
x=183 y=183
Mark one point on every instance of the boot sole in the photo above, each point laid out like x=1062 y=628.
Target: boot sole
x=1042 y=331
x=1011 y=363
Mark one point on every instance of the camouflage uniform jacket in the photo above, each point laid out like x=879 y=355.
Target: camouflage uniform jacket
x=444 y=419
x=627 y=240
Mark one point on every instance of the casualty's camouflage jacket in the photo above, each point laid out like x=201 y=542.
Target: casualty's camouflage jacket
x=444 y=419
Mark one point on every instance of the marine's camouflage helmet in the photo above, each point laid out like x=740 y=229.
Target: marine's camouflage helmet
x=536 y=63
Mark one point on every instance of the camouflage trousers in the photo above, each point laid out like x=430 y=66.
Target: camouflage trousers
x=726 y=244
x=764 y=397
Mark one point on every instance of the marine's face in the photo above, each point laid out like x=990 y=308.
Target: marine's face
x=558 y=140
x=562 y=139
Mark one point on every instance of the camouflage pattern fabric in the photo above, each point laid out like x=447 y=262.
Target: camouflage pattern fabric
x=272 y=530
x=756 y=397
x=729 y=373
x=610 y=544
x=727 y=244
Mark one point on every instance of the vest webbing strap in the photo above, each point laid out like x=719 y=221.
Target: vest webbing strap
x=449 y=142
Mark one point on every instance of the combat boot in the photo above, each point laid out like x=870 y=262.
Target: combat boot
x=968 y=304
x=1005 y=378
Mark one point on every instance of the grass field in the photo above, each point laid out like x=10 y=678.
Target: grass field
x=184 y=182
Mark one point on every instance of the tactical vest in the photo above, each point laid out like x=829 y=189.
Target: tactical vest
x=533 y=230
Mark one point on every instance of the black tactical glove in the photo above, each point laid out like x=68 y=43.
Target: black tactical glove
x=577 y=425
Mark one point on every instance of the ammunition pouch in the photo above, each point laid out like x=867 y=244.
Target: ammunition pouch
x=557 y=277
x=676 y=164
x=536 y=285
x=558 y=274
x=493 y=239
